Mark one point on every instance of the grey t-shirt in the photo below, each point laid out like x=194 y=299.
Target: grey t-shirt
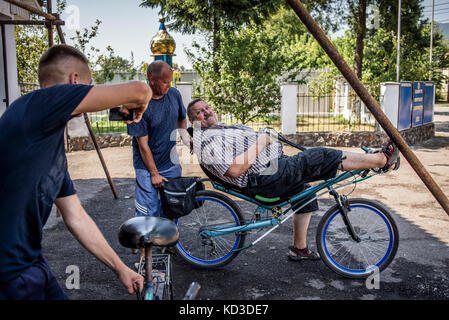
x=216 y=148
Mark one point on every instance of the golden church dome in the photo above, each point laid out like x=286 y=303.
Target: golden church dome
x=162 y=43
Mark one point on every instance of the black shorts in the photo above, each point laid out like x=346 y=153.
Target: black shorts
x=37 y=282
x=295 y=172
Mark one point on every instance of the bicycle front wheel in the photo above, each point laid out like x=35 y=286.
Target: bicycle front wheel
x=211 y=210
x=377 y=232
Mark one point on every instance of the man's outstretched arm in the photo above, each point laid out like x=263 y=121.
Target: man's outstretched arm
x=87 y=233
x=134 y=95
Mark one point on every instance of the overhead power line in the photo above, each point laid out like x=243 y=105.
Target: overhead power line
x=439 y=10
x=429 y=8
x=437 y=5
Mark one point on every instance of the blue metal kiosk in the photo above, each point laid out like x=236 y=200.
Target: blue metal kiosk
x=405 y=105
x=408 y=103
x=417 y=103
x=429 y=100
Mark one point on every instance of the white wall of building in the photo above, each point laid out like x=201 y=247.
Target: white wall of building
x=185 y=88
x=9 y=12
x=389 y=101
x=289 y=96
x=11 y=71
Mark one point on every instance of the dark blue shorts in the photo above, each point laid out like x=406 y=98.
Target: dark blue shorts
x=35 y=283
x=295 y=172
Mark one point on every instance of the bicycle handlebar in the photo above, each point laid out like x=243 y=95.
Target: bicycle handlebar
x=277 y=135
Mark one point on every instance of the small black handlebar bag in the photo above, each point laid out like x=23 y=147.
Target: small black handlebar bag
x=178 y=196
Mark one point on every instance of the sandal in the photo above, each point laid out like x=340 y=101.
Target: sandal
x=391 y=152
x=302 y=254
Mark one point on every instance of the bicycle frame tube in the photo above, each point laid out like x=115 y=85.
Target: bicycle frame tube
x=148 y=273
x=222 y=230
x=296 y=202
x=148 y=292
x=297 y=199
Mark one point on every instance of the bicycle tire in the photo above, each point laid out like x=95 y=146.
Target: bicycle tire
x=213 y=252
x=377 y=230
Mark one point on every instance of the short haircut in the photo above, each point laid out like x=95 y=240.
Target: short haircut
x=191 y=104
x=48 y=71
x=156 y=67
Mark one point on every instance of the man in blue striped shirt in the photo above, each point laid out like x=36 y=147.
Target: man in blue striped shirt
x=253 y=161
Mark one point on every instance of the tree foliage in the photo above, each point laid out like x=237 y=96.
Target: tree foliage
x=32 y=42
x=190 y=16
x=212 y=17
x=104 y=66
x=247 y=84
x=108 y=65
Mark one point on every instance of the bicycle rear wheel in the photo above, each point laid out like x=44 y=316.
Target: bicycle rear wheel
x=211 y=209
x=161 y=278
x=378 y=233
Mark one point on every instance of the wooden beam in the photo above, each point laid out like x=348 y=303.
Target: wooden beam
x=32 y=22
x=94 y=140
x=50 y=27
x=31 y=9
x=59 y=30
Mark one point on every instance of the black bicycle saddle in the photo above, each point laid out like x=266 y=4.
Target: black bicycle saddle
x=140 y=232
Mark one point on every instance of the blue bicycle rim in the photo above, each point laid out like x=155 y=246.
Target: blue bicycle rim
x=387 y=254
x=237 y=239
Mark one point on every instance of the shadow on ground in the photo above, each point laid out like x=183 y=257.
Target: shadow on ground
x=419 y=270
x=437 y=142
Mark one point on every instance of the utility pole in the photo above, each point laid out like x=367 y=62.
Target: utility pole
x=431 y=40
x=398 y=51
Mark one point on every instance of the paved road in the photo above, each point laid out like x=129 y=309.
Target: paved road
x=419 y=271
x=441 y=115
x=262 y=272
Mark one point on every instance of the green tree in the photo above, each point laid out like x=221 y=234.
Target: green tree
x=352 y=13
x=107 y=66
x=104 y=66
x=379 y=47
x=247 y=84
x=212 y=16
x=31 y=43
x=360 y=31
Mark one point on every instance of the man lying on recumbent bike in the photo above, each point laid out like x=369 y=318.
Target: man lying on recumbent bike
x=254 y=161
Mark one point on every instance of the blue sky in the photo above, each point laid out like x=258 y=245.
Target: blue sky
x=441 y=10
x=128 y=27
